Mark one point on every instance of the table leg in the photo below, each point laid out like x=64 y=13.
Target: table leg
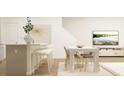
x=96 y=63
x=72 y=62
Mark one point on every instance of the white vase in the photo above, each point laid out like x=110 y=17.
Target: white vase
x=28 y=39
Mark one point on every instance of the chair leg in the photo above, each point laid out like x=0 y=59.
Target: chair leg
x=91 y=62
x=82 y=63
x=78 y=60
x=66 y=64
x=76 y=63
x=85 y=68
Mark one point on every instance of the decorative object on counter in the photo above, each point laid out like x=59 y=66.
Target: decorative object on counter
x=28 y=28
x=79 y=44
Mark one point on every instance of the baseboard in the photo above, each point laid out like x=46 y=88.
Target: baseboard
x=111 y=56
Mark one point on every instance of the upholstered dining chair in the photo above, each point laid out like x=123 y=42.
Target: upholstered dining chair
x=87 y=57
x=67 y=57
x=79 y=61
x=77 y=57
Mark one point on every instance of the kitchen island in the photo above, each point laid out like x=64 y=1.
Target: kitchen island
x=19 y=58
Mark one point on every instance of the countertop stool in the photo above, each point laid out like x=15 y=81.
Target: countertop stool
x=46 y=53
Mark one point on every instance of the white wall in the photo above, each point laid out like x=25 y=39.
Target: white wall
x=82 y=27
x=12 y=32
x=62 y=38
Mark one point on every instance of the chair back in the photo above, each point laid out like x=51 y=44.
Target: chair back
x=87 y=54
x=67 y=54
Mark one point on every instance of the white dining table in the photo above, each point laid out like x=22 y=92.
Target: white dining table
x=73 y=50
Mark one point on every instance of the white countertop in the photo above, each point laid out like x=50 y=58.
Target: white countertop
x=1 y=44
x=30 y=44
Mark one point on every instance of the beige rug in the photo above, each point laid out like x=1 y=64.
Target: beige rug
x=77 y=72
x=115 y=68
x=58 y=69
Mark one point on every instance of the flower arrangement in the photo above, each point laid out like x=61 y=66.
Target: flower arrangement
x=28 y=27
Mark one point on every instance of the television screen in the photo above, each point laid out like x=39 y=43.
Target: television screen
x=105 y=37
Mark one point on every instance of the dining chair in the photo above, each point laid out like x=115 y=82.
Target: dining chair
x=87 y=57
x=77 y=57
x=79 y=60
x=67 y=57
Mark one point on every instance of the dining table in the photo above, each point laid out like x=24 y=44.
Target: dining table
x=73 y=49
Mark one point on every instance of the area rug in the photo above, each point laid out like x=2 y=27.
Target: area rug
x=115 y=68
x=79 y=72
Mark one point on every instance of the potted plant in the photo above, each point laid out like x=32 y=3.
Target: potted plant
x=28 y=28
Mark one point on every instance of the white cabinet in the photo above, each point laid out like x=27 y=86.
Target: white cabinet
x=111 y=51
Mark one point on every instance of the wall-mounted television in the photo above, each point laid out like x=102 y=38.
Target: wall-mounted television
x=103 y=37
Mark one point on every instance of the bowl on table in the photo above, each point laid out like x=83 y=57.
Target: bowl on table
x=79 y=46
